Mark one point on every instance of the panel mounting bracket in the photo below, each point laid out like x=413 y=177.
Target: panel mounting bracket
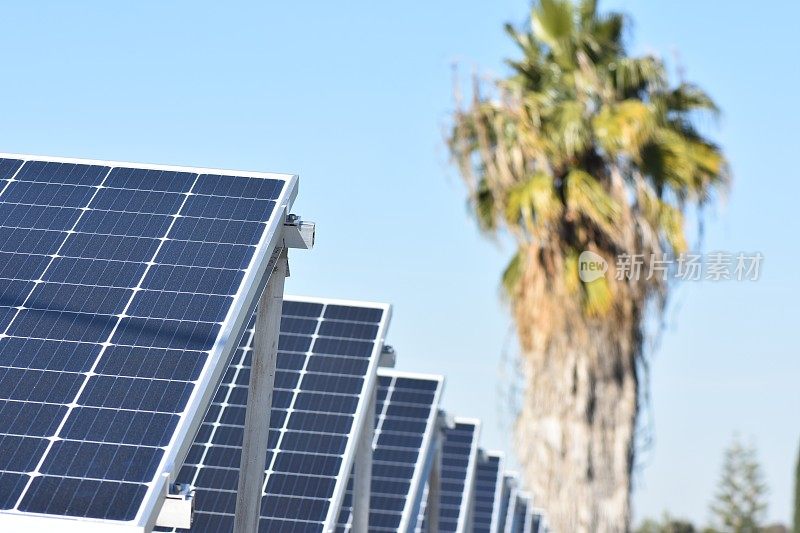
x=297 y=233
x=178 y=507
x=446 y=421
x=388 y=357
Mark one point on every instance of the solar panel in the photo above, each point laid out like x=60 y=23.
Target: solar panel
x=405 y=428
x=507 y=497
x=459 y=455
x=123 y=292
x=508 y=503
x=326 y=369
x=521 y=517
x=537 y=521
x=488 y=488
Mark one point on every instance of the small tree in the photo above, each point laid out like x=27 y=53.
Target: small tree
x=668 y=524
x=739 y=504
x=796 y=527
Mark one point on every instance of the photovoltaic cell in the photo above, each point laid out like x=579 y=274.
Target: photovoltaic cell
x=405 y=424
x=327 y=362
x=488 y=487
x=121 y=290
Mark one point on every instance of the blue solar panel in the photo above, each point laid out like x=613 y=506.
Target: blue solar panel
x=405 y=426
x=520 y=514
x=537 y=522
x=457 y=478
x=507 y=498
x=123 y=292
x=459 y=456
x=327 y=362
x=488 y=487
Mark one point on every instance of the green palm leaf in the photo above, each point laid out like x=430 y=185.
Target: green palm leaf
x=587 y=197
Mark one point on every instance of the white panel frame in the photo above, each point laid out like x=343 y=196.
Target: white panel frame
x=469 y=482
x=242 y=308
x=526 y=524
x=512 y=502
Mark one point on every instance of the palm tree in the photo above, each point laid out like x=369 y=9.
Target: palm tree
x=583 y=148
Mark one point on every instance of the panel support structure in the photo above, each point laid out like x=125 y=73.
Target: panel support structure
x=259 y=400
x=362 y=470
x=434 y=482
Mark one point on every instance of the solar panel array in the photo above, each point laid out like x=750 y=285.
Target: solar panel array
x=127 y=295
x=120 y=291
x=405 y=423
x=486 y=503
x=519 y=515
x=327 y=361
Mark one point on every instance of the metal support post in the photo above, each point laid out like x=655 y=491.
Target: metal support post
x=259 y=400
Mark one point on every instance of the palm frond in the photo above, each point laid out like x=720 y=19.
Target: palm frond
x=533 y=204
x=588 y=11
x=570 y=129
x=689 y=97
x=587 y=197
x=553 y=23
x=662 y=216
x=671 y=223
x=485 y=207
x=624 y=127
x=692 y=168
x=512 y=274
x=522 y=39
x=632 y=75
x=597 y=297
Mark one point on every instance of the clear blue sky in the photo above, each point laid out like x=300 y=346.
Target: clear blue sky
x=354 y=96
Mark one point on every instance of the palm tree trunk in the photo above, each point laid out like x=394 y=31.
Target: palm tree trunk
x=576 y=426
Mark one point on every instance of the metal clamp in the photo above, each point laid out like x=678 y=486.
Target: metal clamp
x=388 y=357
x=178 y=507
x=298 y=234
